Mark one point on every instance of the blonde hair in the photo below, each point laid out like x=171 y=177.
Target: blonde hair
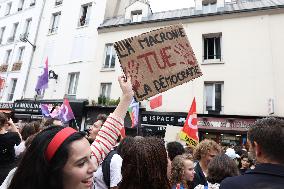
x=204 y=146
x=177 y=171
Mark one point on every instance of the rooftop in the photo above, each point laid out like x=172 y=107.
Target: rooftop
x=229 y=8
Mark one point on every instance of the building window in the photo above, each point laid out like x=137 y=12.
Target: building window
x=7 y=57
x=58 y=2
x=105 y=90
x=73 y=79
x=85 y=14
x=21 y=4
x=12 y=90
x=213 y=97
x=14 y=31
x=210 y=7
x=2 y=34
x=212 y=47
x=136 y=16
x=32 y=3
x=20 y=54
x=54 y=22
x=110 y=56
x=27 y=27
x=8 y=8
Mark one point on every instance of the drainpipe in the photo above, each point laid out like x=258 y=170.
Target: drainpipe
x=32 y=54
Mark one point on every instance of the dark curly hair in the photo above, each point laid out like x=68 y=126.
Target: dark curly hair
x=220 y=167
x=174 y=149
x=269 y=133
x=145 y=165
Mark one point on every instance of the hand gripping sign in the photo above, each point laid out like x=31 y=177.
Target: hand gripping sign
x=158 y=60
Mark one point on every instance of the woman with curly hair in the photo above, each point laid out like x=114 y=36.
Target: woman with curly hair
x=182 y=171
x=144 y=165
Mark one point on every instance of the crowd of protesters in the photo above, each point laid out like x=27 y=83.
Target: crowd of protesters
x=50 y=156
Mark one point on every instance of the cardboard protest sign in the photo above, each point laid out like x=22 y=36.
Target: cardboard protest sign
x=158 y=60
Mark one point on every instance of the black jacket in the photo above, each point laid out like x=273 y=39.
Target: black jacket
x=264 y=176
x=199 y=177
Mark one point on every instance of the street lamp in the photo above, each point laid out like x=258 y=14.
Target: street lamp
x=24 y=39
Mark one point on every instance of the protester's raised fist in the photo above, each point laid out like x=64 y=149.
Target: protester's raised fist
x=125 y=85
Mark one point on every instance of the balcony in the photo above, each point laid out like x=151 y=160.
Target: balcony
x=17 y=66
x=4 y=68
x=11 y=39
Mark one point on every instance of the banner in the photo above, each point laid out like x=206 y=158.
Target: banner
x=158 y=60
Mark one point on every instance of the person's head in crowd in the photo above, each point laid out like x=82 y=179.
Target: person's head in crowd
x=145 y=165
x=52 y=122
x=205 y=151
x=246 y=161
x=265 y=138
x=174 y=148
x=57 y=157
x=124 y=145
x=3 y=120
x=188 y=150
x=27 y=130
x=182 y=170
x=94 y=129
x=220 y=167
x=36 y=125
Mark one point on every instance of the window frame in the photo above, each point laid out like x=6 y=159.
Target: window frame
x=53 y=28
x=112 y=52
x=217 y=58
x=28 y=24
x=2 y=33
x=136 y=16
x=85 y=20
x=108 y=86
x=21 y=52
x=74 y=85
x=10 y=95
x=8 y=56
x=8 y=8
x=214 y=109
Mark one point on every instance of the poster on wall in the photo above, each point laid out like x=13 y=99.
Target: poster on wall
x=158 y=60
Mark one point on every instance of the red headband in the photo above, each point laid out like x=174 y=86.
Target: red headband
x=57 y=140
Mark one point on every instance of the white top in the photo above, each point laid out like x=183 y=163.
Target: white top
x=115 y=173
x=20 y=148
x=8 y=179
x=210 y=186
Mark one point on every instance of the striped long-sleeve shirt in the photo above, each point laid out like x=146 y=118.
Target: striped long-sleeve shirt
x=106 y=138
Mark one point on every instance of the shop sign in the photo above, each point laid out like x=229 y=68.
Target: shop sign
x=163 y=119
x=27 y=107
x=6 y=106
x=228 y=123
x=178 y=120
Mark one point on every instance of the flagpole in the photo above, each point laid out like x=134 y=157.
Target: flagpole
x=76 y=123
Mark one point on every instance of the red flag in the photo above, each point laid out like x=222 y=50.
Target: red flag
x=189 y=131
x=156 y=102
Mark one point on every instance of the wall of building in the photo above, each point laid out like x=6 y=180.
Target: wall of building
x=250 y=70
x=70 y=49
x=27 y=12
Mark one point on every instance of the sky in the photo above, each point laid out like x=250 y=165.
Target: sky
x=164 y=5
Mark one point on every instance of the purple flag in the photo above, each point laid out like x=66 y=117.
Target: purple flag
x=42 y=82
x=66 y=112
